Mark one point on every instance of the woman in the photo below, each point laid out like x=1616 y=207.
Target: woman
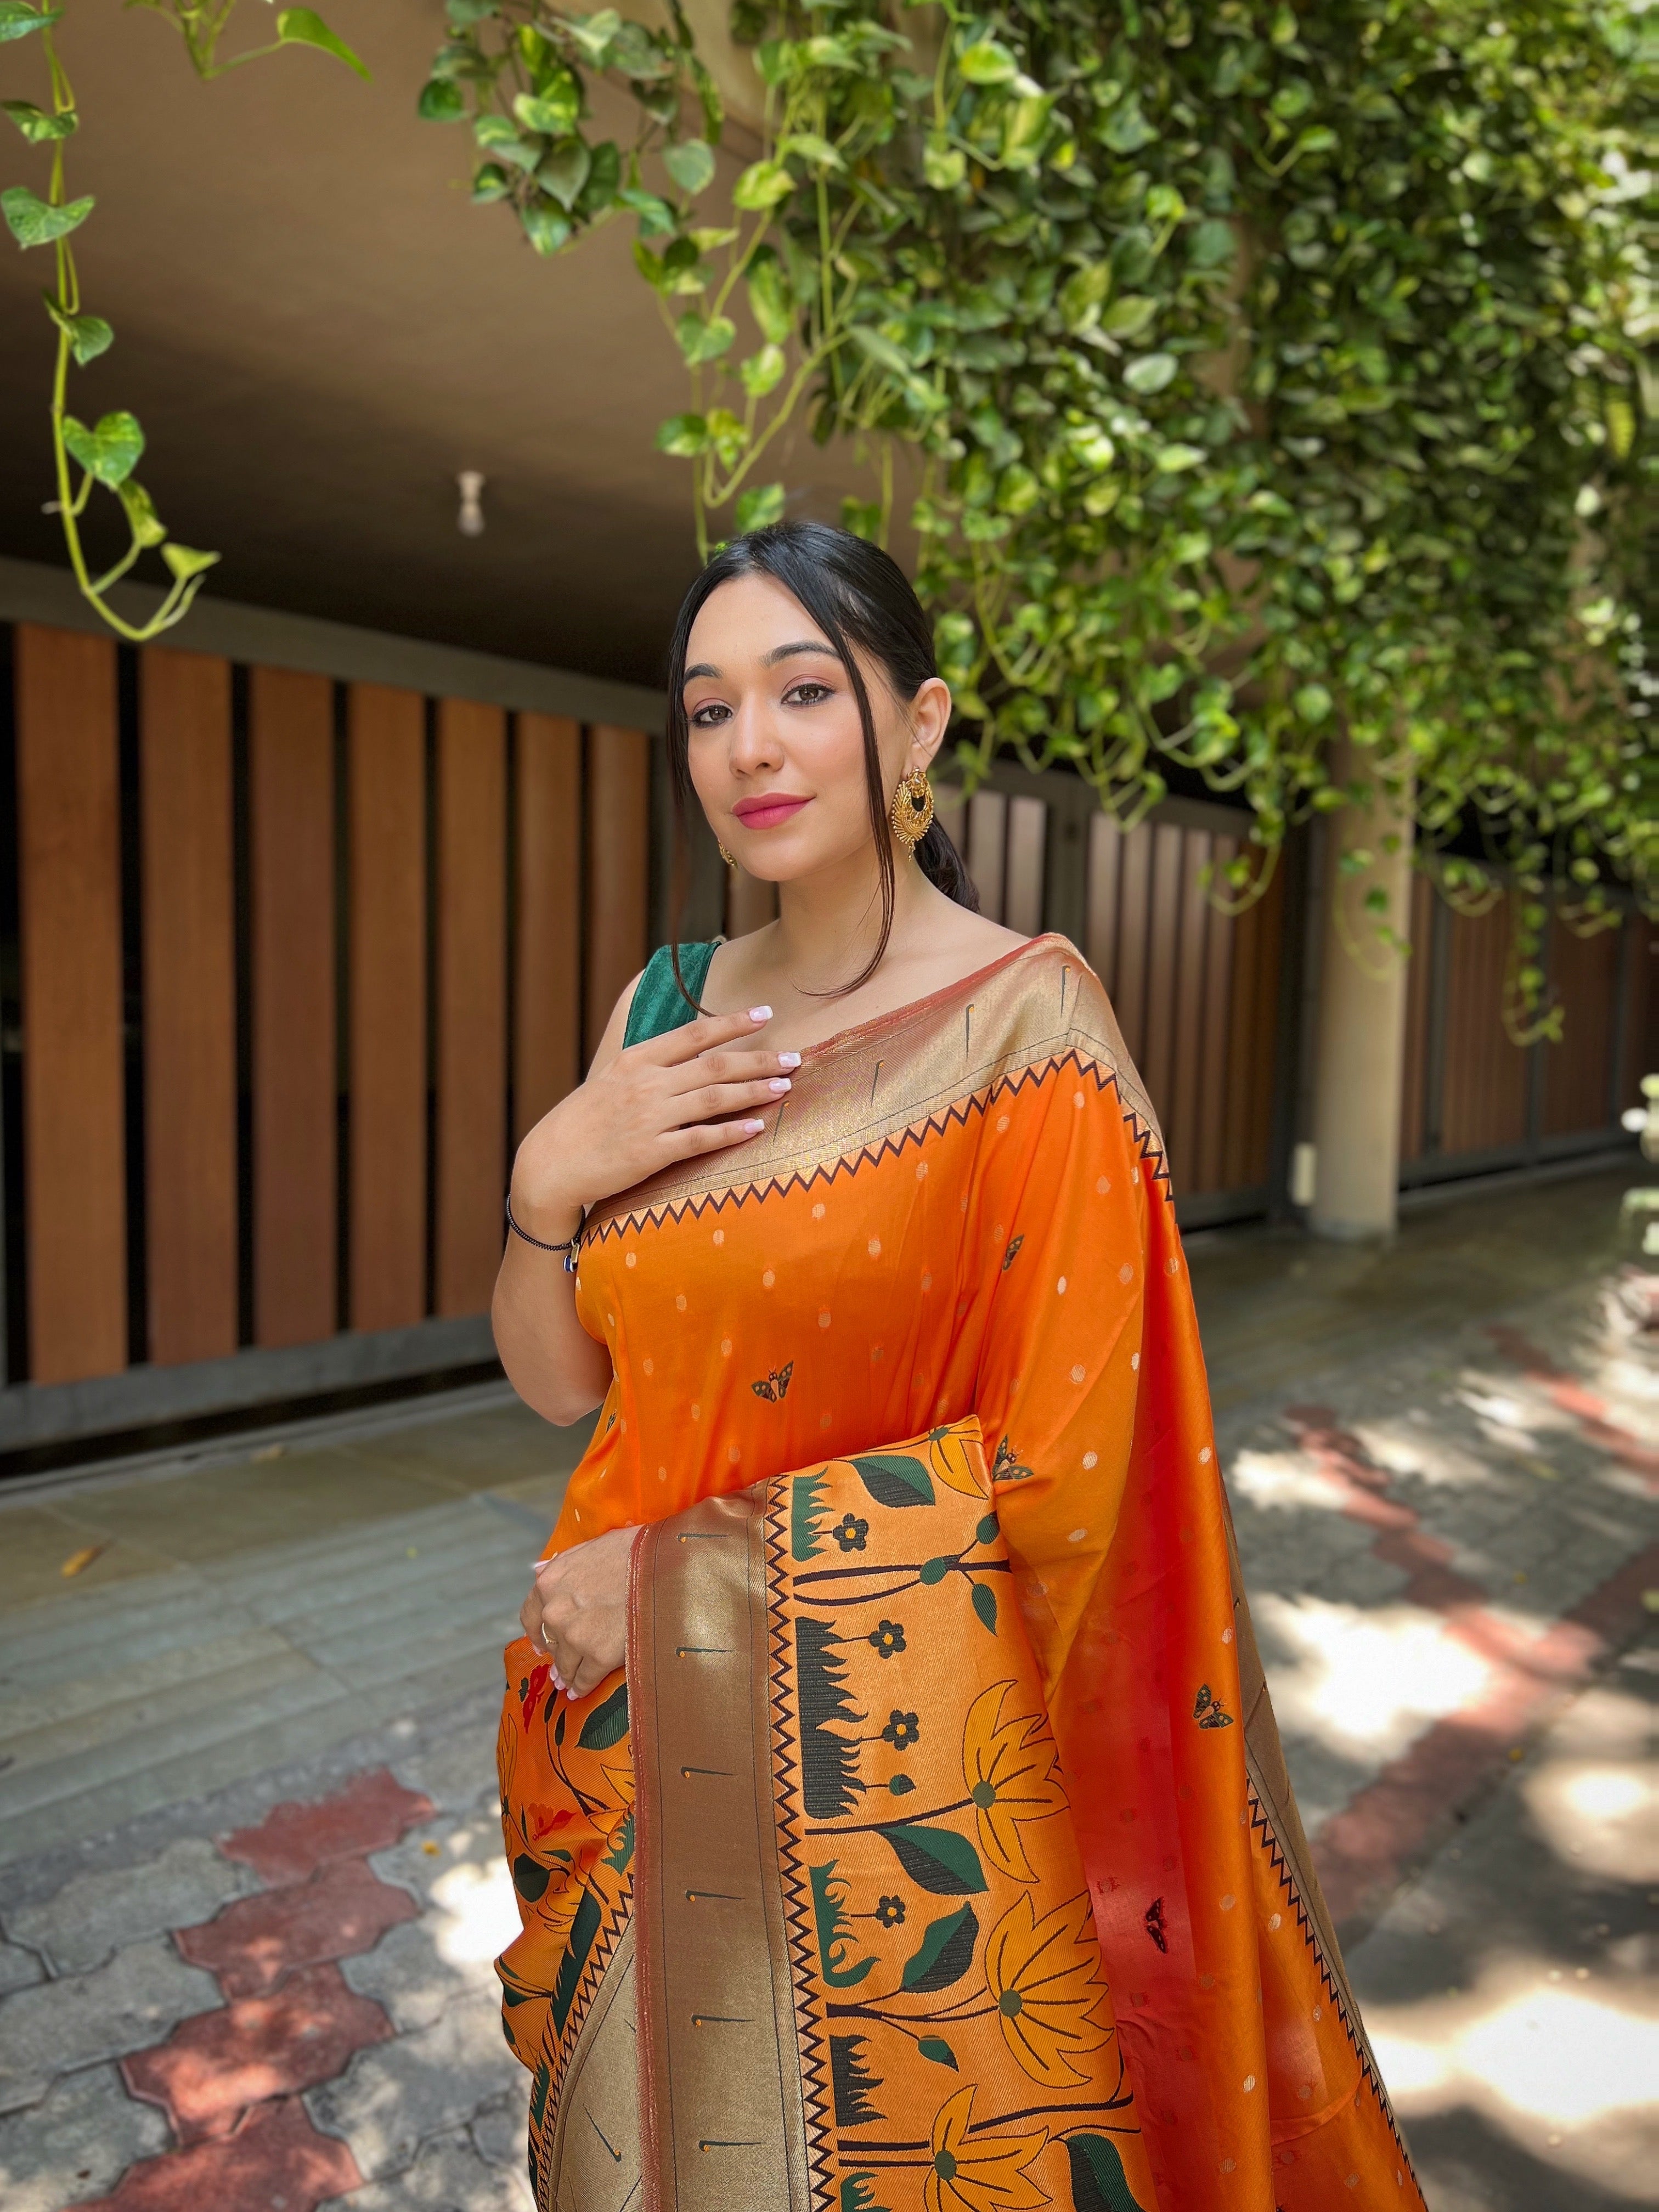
x=891 y=1794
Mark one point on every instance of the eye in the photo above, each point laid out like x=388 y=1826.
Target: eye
x=710 y=715
x=808 y=692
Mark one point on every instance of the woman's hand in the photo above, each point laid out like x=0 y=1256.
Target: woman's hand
x=642 y=1110
x=577 y=1610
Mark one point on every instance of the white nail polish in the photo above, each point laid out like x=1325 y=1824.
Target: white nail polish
x=754 y=1129
x=779 y=1084
x=760 y=1013
x=788 y=1060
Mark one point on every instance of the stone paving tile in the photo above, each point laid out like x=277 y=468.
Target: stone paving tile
x=294 y=1840
x=251 y=1945
x=276 y=2161
x=94 y=1912
x=408 y=1976
x=127 y=2005
x=19 y=1968
x=456 y=1771
x=501 y=2126
x=81 y=2138
x=448 y=2175
x=392 y=2097
x=211 y=2070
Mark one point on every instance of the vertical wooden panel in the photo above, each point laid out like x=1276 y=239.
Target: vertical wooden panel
x=1640 y=1052
x=291 y=898
x=1486 y=1075
x=1028 y=832
x=1163 y=945
x=471 y=1144
x=1578 y=1072
x=548 y=983
x=1264 y=1052
x=988 y=842
x=1218 y=1041
x=1100 y=929
x=1245 y=1052
x=1414 y=1073
x=1134 y=898
x=189 y=1004
x=951 y=811
x=618 y=868
x=1185 y=1103
x=388 y=1165
x=69 y=894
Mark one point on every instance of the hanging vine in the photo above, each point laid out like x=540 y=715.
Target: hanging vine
x=108 y=452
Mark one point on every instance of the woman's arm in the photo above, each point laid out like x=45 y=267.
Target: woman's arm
x=642 y=1107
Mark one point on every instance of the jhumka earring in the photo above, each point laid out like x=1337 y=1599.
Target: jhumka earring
x=913 y=809
x=724 y=855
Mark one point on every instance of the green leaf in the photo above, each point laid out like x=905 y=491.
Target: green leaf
x=607 y=1724
x=935 y=2047
x=901 y=1785
x=943 y=165
x=112 y=451
x=1314 y=702
x=18 y=19
x=987 y=61
x=759 y=507
x=817 y=153
x=894 y=1478
x=1129 y=317
x=547 y=228
x=141 y=518
x=1098 y=2181
x=594 y=33
x=704 y=338
x=491 y=182
x=985 y=1605
x=551 y=113
x=440 y=101
x=932 y=1572
x=987 y=1530
x=1212 y=244
x=938 y=1860
x=1152 y=372
x=37 y=125
x=563 y=172
x=186 y=561
x=761 y=186
x=33 y=222
x=1173 y=460
x=530 y=1878
x=768 y=300
x=1083 y=293
x=944 y=1953
x=690 y=164
x=304 y=27
x=89 y=335
x=764 y=371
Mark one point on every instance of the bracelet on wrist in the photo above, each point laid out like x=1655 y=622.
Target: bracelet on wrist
x=570 y=1247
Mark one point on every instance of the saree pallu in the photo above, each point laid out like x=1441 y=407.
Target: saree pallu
x=935 y=1852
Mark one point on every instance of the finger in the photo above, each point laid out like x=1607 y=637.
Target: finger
x=697 y=1037
x=731 y=1066
x=727 y=1098
x=706 y=1137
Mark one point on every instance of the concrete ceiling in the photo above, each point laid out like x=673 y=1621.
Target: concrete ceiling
x=318 y=331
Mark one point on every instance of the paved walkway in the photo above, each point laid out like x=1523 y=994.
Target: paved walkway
x=250 y=1876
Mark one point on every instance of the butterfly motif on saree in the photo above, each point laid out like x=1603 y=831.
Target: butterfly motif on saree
x=1208 y=1710
x=774 y=1386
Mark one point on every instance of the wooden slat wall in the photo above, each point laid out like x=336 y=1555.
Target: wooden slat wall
x=1413 y=1105
x=74 y=1134
x=295 y=1072
x=388 y=1006
x=618 y=869
x=1216 y=1032
x=1484 y=1101
x=988 y=848
x=470 y=1148
x=1640 y=1056
x=1578 y=1073
x=187 y=874
x=1021 y=897
x=547 y=1055
x=1187 y=1071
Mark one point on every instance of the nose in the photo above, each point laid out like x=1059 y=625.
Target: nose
x=753 y=744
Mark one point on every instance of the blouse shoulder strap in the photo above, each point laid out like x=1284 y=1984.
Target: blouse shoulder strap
x=658 y=1006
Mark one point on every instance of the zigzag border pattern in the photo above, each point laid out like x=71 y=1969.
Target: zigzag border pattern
x=816 y=2089
x=1266 y=1835
x=556 y=2050
x=894 y=1144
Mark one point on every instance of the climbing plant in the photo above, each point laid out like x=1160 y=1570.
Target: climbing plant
x=108 y=452
x=1254 y=376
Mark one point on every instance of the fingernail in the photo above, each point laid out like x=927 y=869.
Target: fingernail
x=779 y=1084
x=760 y=1013
x=788 y=1060
x=571 y=1694
x=754 y=1129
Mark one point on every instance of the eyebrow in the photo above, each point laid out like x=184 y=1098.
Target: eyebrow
x=771 y=659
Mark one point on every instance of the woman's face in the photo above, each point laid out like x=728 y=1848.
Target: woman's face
x=776 y=751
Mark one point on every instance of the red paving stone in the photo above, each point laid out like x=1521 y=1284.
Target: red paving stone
x=214 y=2066
x=253 y=1944
x=294 y=1840
x=276 y=2161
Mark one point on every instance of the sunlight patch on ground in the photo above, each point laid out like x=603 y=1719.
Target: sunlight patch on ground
x=1283 y=1481
x=1412 y=1447
x=1601 y=1808
x=473 y=1902
x=1367 y=1681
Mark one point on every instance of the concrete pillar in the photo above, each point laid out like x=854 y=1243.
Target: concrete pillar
x=1361 y=1047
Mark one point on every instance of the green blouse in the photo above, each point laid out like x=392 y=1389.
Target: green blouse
x=658 y=1005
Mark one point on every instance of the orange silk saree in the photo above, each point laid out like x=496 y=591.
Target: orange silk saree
x=934 y=1851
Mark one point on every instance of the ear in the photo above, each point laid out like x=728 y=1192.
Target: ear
x=930 y=718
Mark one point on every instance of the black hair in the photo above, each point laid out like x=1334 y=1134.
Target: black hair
x=858 y=595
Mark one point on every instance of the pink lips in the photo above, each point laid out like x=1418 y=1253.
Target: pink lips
x=768 y=813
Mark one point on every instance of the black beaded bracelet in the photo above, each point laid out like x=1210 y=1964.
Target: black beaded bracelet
x=568 y=1247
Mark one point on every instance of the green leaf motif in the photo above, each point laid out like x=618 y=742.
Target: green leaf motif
x=985 y=1605
x=936 y=2048
x=18 y=19
x=894 y=1478
x=944 y=1953
x=304 y=27
x=530 y=1877
x=932 y=1571
x=987 y=1530
x=835 y=1930
x=112 y=451
x=607 y=1724
x=759 y=507
x=691 y=165
x=38 y=124
x=1098 y=2181
x=34 y=222
x=938 y=1860
x=901 y=1785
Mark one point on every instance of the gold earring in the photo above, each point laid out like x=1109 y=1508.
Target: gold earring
x=912 y=808
x=724 y=855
